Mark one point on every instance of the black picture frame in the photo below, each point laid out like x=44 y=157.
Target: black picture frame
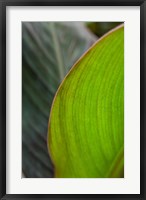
x=3 y=125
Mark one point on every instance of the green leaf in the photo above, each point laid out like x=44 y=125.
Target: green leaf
x=86 y=128
x=49 y=50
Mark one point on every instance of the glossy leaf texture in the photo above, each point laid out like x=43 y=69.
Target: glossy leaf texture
x=86 y=126
x=49 y=49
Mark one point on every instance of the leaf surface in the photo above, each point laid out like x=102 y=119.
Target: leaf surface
x=49 y=50
x=86 y=127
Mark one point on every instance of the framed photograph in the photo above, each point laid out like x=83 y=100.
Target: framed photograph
x=72 y=99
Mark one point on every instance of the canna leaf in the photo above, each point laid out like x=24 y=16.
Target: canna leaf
x=49 y=49
x=86 y=127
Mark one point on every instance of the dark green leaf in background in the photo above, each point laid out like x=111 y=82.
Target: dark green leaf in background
x=100 y=28
x=48 y=52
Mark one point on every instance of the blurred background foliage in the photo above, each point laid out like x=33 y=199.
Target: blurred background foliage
x=100 y=28
x=49 y=49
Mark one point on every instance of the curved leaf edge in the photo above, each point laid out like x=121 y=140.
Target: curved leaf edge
x=120 y=157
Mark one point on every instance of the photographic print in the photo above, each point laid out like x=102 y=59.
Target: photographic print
x=73 y=99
